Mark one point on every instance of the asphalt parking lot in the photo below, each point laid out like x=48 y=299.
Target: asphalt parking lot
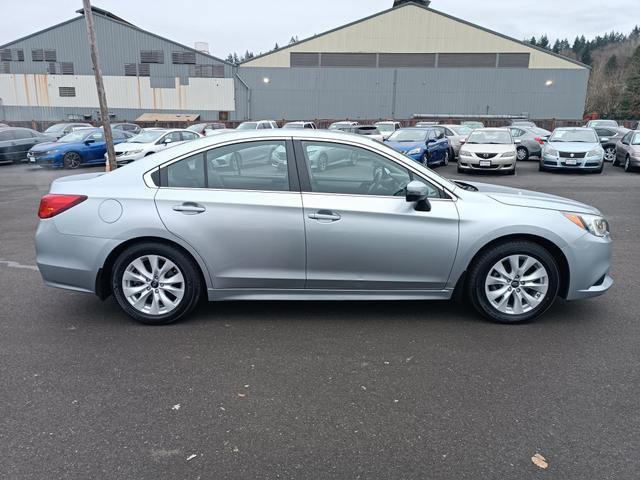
x=319 y=390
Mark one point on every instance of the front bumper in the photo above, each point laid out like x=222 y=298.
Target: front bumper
x=589 y=259
x=44 y=160
x=124 y=159
x=588 y=163
x=487 y=165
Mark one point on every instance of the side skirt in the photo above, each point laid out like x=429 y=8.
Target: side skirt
x=329 y=295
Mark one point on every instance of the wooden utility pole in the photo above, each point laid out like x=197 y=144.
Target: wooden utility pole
x=102 y=97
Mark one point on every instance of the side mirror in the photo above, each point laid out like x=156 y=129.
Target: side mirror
x=89 y=140
x=463 y=141
x=417 y=191
x=167 y=140
x=517 y=141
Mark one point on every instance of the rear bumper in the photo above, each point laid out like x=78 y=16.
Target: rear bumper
x=589 y=260
x=69 y=261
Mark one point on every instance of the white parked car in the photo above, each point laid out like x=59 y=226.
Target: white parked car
x=150 y=141
x=307 y=125
x=259 y=125
x=342 y=125
x=489 y=149
x=387 y=128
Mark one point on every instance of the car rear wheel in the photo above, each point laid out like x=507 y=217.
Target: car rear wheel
x=155 y=284
x=627 y=164
x=513 y=282
x=609 y=153
x=522 y=154
x=445 y=161
x=72 y=160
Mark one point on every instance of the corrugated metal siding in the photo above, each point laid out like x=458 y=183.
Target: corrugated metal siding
x=300 y=93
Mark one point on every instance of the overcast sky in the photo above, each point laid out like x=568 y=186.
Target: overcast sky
x=256 y=25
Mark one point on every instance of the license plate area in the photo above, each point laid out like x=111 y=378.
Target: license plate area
x=571 y=161
x=485 y=163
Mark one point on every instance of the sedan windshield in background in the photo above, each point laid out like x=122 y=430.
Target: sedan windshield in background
x=293 y=125
x=247 y=126
x=55 y=128
x=580 y=136
x=73 y=137
x=385 y=127
x=408 y=135
x=497 y=137
x=148 y=136
x=461 y=130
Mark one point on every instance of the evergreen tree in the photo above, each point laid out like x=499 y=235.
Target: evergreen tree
x=533 y=41
x=230 y=58
x=586 y=56
x=544 y=42
x=276 y=47
x=612 y=64
x=236 y=59
x=632 y=93
x=556 y=46
x=293 y=40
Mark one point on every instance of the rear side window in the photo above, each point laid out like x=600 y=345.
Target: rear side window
x=21 y=134
x=258 y=166
x=4 y=136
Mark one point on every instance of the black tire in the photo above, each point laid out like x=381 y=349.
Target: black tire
x=601 y=169
x=512 y=171
x=541 y=167
x=627 y=165
x=192 y=282
x=615 y=162
x=484 y=262
x=460 y=170
x=445 y=160
x=72 y=160
x=522 y=151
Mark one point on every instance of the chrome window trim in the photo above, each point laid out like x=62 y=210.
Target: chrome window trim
x=401 y=161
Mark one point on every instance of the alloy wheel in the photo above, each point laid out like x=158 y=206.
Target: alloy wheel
x=517 y=284
x=153 y=285
x=445 y=162
x=609 y=154
x=72 y=160
x=627 y=165
x=521 y=154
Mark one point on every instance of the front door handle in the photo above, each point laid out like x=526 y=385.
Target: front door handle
x=189 y=208
x=325 y=216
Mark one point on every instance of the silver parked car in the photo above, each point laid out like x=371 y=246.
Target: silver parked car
x=573 y=148
x=457 y=135
x=610 y=137
x=628 y=151
x=162 y=232
x=531 y=141
x=489 y=150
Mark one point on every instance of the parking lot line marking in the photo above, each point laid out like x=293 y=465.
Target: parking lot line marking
x=10 y=264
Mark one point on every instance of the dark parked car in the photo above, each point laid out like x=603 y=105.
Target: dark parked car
x=127 y=127
x=59 y=130
x=628 y=152
x=609 y=138
x=16 y=142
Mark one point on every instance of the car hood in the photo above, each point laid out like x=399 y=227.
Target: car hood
x=405 y=146
x=489 y=148
x=527 y=198
x=574 y=146
x=43 y=147
x=126 y=146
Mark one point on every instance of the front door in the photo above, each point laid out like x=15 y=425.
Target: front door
x=246 y=223
x=361 y=232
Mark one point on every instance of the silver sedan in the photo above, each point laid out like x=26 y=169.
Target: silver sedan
x=164 y=231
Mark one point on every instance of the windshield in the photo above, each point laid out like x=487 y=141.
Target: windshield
x=408 y=135
x=293 y=125
x=603 y=123
x=73 y=137
x=579 y=136
x=56 y=128
x=461 y=130
x=247 y=126
x=339 y=125
x=636 y=139
x=148 y=136
x=385 y=127
x=197 y=127
x=491 y=137
x=473 y=124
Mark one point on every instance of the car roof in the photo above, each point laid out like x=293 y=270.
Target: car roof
x=492 y=129
x=574 y=128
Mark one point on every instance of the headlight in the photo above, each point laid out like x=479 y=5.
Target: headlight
x=50 y=152
x=508 y=154
x=415 y=151
x=551 y=151
x=593 y=224
x=132 y=152
x=595 y=152
x=465 y=153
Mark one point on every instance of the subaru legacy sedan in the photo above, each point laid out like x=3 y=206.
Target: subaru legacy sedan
x=162 y=232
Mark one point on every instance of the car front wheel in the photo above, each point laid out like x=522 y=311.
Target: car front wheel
x=72 y=160
x=155 y=283
x=513 y=282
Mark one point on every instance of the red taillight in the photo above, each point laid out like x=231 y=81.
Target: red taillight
x=54 y=204
x=540 y=140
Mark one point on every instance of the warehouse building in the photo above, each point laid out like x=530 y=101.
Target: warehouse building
x=48 y=75
x=405 y=62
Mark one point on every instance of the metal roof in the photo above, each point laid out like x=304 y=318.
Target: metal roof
x=420 y=4
x=168 y=117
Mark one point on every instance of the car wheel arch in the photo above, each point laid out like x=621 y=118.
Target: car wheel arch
x=555 y=251
x=103 y=278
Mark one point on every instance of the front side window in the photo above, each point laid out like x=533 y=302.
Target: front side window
x=345 y=169
x=97 y=137
x=189 y=136
x=516 y=132
x=636 y=139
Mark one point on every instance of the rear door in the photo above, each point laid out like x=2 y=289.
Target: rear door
x=246 y=224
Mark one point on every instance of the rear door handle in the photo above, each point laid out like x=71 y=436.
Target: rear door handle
x=189 y=208
x=325 y=216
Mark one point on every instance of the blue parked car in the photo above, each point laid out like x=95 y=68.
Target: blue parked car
x=81 y=147
x=428 y=146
